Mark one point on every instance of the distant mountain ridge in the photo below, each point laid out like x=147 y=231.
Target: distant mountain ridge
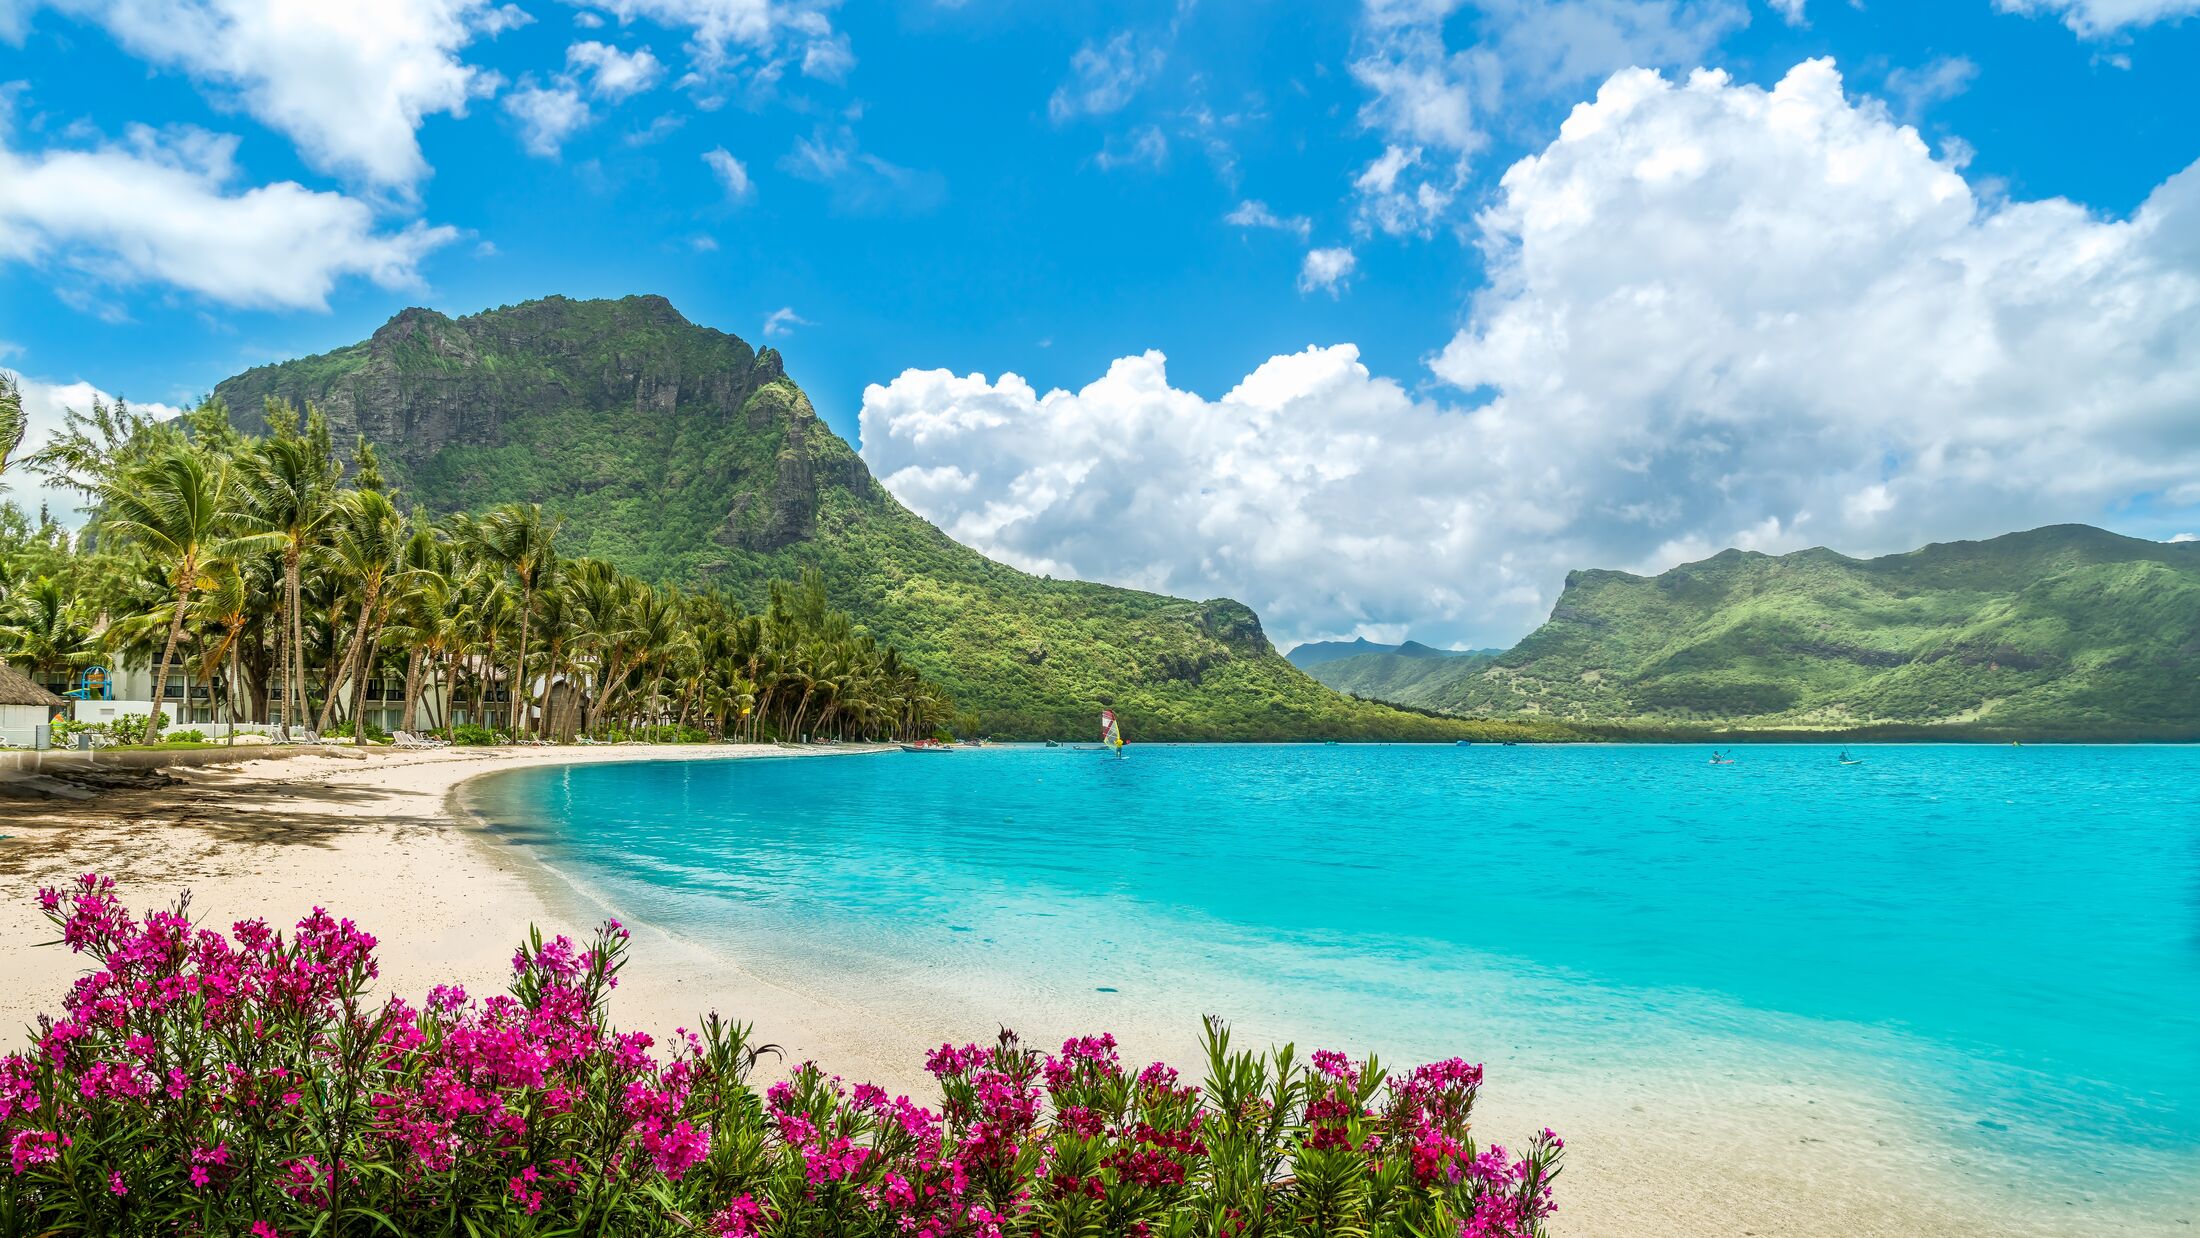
x=2067 y=629
x=681 y=453
x=1315 y=653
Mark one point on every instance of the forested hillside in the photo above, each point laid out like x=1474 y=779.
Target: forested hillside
x=680 y=453
x=2067 y=630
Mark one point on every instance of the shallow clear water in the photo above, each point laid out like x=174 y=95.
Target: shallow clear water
x=2008 y=937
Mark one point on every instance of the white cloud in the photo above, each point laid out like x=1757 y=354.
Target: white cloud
x=1718 y=316
x=43 y=406
x=547 y=115
x=1144 y=147
x=1251 y=214
x=1104 y=76
x=727 y=30
x=1326 y=270
x=349 y=82
x=613 y=74
x=1399 y=198
x=2097 y=18
x=2185 y=537
x=1792 y=10
x=162 y=208
x=1433 y=105
x=781 y=322
x=860 y=183
x=1917 y=90
x=732 y=174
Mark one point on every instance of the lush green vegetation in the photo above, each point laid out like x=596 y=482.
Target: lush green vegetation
x=2062 y=631
x=1397 y=675
x=680 y=454
x=286 y=587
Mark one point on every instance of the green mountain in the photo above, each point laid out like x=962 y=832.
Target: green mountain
x=2067 y=630
x=681 y=453
x=1315 y=653
x=1398 y=675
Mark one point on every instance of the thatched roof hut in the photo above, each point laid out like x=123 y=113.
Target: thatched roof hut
x=17 y=688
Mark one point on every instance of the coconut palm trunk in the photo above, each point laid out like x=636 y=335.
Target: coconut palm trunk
x=412 y=691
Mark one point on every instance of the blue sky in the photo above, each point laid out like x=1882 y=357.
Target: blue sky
x=1054 y=190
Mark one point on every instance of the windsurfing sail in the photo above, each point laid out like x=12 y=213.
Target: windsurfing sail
x=1111 y=735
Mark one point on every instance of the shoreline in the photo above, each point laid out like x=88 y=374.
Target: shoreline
x=386 y=839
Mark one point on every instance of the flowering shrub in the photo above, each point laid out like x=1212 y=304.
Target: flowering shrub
x=246 y=1085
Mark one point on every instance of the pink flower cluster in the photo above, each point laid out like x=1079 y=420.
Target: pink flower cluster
x=248 y=1081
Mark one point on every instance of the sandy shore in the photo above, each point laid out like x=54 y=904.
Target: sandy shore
x=1704 y=1151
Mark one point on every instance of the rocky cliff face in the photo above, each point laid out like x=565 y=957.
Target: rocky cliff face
x=431 y=392
x=426 y=382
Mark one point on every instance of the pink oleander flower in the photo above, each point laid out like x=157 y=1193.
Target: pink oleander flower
x=530 y=1101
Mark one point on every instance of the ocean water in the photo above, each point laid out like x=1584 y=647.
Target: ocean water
x=2006 y=938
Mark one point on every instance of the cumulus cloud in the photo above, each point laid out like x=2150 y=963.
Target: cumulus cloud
x=1792 y=10
x=1398 y=194
x=1718 y=315
x=2184 y=537
x=615 y=74
x=163 y=207
x=2097 y=18
x=547 y=116
x=1326 y=270
x=732 y=174
x=1252 y=214
x=349 y=82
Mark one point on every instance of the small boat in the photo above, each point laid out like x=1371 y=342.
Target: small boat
x=1718 y=758
x=1053 y=744
x=1465 y=743
x=927 y=747
x=1111 y=734
x=1846 y=759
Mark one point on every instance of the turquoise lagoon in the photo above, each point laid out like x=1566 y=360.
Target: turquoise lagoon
x=2006 y=939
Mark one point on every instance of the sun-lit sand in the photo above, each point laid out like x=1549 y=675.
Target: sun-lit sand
x=383 y=839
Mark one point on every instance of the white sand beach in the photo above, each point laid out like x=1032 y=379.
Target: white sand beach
x=1708 y=1151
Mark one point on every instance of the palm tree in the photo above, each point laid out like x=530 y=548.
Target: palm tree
x=424 y=610
x=174 y=506
x=288 y=491
x=43 y=628
x=604 y=598
x=519 y=537
x=369 y=545
x=12 y=421
x=225 y=602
